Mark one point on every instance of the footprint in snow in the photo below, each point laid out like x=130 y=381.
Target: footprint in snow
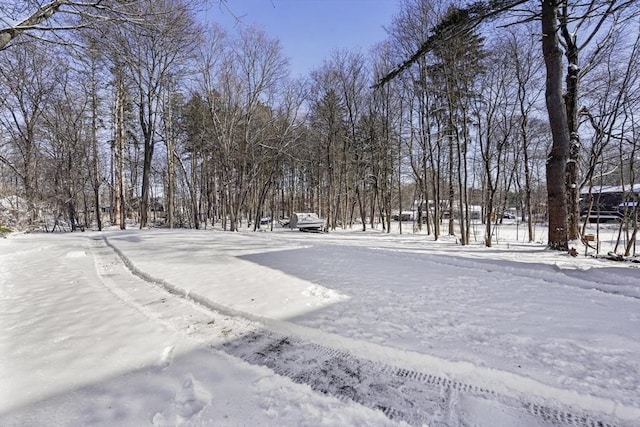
x=191 y=399
x=188 y=402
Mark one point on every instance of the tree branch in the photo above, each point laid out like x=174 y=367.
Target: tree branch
x=458 y=23
x=39 y=16
x=88 y=11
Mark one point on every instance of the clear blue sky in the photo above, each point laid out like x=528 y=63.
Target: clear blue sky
x=310 y=30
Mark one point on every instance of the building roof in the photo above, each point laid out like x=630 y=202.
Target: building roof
x=631 y=188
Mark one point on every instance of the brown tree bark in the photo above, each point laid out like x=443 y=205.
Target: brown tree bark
x=119 y=147
x=557 y=159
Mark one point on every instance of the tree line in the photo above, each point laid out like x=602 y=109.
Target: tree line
x=135 y=112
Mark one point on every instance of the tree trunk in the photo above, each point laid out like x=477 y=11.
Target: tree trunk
x=452 y=191
x=571 y=104
x=119 y=149
x=528 y=189
x=193 y=191
x=170 y=197
x=146 y=178
x=557 y=159
x=94 y=146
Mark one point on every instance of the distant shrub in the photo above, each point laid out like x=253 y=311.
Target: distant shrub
x=4 y=231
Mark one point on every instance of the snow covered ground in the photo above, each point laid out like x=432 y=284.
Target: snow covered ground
x=159 y=327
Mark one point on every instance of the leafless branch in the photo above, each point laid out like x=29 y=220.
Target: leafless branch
x=55 y=15
x=464 y=21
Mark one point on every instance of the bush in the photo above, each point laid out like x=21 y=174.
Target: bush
x=4 y=231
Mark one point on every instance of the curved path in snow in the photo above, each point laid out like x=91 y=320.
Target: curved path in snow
x=406 y=386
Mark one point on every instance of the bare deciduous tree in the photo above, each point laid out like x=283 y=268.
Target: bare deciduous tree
x=553 y=15
x=27 y=87
x=152 y=55
x=240 y=80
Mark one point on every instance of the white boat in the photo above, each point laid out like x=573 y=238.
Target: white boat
x=306 y=221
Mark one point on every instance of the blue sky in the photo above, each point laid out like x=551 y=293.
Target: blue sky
x=310 y=30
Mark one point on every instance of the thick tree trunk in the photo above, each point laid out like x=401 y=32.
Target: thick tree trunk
x=571 y=103
x=557 y=159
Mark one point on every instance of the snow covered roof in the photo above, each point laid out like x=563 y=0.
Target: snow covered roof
x=635 y=188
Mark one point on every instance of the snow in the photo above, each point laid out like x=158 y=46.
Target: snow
x=632 y=188
x=179 y=327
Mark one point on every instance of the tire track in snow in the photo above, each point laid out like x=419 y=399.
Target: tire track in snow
x=156 y=302
x=402 y=394
x=414 y=397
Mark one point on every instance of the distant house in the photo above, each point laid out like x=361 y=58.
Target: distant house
x=609 y=203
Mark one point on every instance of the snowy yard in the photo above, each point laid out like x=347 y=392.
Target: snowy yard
x=159 y=327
